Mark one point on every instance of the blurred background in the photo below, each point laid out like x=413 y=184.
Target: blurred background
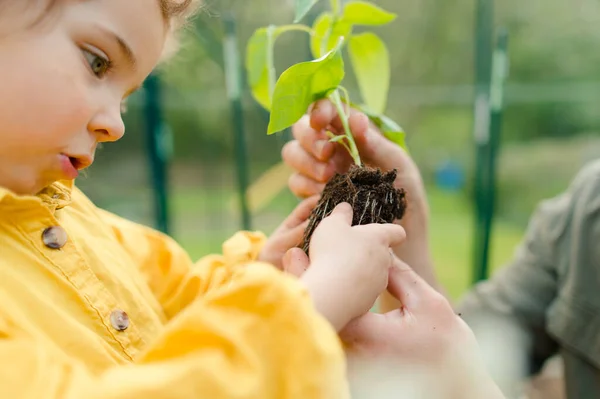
x=550 y=122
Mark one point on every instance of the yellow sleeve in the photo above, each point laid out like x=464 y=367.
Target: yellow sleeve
x=256 y=338
x=172 y=276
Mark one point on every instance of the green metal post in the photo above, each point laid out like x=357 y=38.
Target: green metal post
x=481 y=131
x=157 y=136
x=233 y=77
x=499 y=75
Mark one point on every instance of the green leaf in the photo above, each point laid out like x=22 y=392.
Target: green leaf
x=396 y=137
x=302 y=7
x=259 y=62
x=325 y=32
x=371 y=63
x=257 y=66
x=390 y=129
x=365 y=13
x=301 y=85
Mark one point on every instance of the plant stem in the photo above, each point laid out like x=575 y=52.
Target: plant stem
x=337 y=102
x=346 y=98
x=331 y=135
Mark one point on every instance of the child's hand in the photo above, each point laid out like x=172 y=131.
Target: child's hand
x=349 y=265
x=289 y=234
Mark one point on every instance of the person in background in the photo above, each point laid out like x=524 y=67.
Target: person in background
x=543 y=305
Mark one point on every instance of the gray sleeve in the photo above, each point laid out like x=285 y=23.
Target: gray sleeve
x=507 y=312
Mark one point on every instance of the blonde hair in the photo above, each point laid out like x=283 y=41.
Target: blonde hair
x=177 y=13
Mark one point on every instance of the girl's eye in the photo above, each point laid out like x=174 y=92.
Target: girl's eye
x=99 y=65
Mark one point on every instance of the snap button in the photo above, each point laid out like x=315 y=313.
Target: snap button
x=119 y=320
x=54 y=237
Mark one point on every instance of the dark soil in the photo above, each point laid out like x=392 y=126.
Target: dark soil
x=371 y=193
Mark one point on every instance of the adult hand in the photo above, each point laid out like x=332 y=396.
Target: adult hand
x=423 y=336
x=315 y=160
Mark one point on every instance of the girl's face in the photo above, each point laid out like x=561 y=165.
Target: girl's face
x=63 y=81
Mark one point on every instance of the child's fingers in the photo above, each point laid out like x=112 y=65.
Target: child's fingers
x=295 y=262
x=392 y=234
x=342 y=212
x=301 y=213
x=292 y=237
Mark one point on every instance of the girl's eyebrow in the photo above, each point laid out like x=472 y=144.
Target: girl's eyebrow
x=125 y=48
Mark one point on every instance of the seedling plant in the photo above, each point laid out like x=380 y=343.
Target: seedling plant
x=287 y=97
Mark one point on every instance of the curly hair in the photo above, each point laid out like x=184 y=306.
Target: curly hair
x=177 y=13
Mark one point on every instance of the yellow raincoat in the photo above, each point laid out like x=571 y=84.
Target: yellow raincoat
x=95 y=306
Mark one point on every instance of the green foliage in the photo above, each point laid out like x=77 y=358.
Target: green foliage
x=301 y=85
x=387 y=126
x=289 y=96
x=326 y=33
x=302 y=7
x=364 y=13
x=371 y=62
x=258 y=67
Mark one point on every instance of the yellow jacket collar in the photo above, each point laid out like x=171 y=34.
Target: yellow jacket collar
x=56 y=196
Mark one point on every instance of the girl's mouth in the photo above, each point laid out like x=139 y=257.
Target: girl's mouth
x=69 y=166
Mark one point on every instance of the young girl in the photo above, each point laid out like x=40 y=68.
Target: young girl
x=95 y=306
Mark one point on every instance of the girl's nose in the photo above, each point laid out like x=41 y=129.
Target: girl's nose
x=107 y=125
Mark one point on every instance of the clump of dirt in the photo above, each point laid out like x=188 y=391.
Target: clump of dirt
x=371 y=193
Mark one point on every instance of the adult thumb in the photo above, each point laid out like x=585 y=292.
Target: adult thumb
x=295 y=262
x=363 y=329
x=376 y=149
x=407 y=286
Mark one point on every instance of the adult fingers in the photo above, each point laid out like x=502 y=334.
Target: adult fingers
x=358 y=122
x=295 y=156
x=303 y=186
x=314 y=141
x=409 y=288
x=376 y=149
x=364 y=329
x=322 y=114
